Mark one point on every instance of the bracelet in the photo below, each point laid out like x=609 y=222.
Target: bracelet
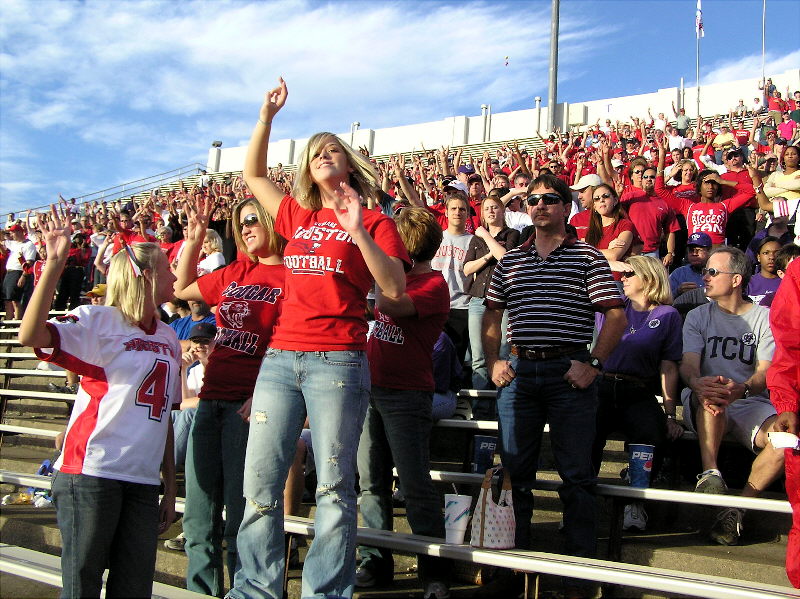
x=262 y=122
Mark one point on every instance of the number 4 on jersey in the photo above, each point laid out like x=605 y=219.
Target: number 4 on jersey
x=153 y=392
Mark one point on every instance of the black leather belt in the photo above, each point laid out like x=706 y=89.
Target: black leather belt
x=546 y=353
x=626 y=378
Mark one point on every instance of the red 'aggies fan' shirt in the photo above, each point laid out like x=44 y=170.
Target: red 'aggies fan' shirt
x=400 y=351
x=131 y=379
x=327 y=279
x=248 y=296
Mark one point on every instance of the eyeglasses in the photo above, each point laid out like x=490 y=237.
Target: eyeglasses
x=604 y=196
x=713 y=272
x=648 y=176
x=550 y=199
x=627 y=274
x=250 y=220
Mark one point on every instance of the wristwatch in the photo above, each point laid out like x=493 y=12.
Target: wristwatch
x=595 y=363
x=746 y=393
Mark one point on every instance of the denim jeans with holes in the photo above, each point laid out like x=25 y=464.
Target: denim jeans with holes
x=332 y=388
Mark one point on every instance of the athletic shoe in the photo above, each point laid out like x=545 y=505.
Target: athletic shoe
x=711 y=481
x=635 y=517
x=436 y=590
x=176 y=544
x=728 y=526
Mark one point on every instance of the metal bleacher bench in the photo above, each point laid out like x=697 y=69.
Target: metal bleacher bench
x=530 y=562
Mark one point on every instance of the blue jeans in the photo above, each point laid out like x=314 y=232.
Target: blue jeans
x=397 y=430
x=483 y=409
x=538 y=395
x=182 y=421
x=106 y=523
x=214 y=477
x=332 y=388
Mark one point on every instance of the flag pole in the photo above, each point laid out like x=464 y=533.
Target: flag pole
x=697 y=74
x=763 y=37
x=700 y=32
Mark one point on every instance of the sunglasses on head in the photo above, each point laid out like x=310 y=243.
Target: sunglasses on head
x=549 y=199
x=713 y=272
x=250 y=220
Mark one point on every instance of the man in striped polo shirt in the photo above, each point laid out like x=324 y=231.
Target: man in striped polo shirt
x=552 y=286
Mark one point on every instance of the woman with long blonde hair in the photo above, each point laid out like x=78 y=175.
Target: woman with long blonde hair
x=316 y=364
x=106 y=484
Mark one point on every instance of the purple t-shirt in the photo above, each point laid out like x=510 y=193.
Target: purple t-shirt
x=760 y=286
x=657 y=335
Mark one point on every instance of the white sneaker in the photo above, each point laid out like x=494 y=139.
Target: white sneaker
x=634 y=517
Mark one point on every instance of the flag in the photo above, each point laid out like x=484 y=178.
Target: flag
x=698 y=21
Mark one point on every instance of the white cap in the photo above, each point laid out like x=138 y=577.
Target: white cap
x=591 y=179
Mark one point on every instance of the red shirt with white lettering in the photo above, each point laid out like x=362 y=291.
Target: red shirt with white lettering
x=327 y=279
x=400 y=351
x=704 y=217
x=248 y=296
x=581 y=223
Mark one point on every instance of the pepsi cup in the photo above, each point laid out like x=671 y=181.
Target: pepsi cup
x=640 y=465
x=483 y=453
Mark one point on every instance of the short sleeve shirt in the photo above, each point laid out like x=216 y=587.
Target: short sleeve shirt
x=130 y=381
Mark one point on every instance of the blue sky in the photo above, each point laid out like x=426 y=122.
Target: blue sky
x=93 y=94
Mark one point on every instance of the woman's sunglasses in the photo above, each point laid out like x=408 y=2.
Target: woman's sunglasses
x=250 y=220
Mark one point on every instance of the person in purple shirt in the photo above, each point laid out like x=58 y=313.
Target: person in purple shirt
x=649 y=350
x=767 y=280
x=782 y=259
x=688 y=277
x=778 y=228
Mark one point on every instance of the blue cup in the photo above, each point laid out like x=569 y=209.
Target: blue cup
x=483 y=453
x=640 y=464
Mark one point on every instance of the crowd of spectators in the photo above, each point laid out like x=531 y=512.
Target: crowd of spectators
x=697 y=222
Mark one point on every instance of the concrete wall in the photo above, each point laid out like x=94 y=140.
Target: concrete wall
x=461 y=130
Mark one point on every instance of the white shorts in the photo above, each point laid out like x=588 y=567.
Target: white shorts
x=744 y=417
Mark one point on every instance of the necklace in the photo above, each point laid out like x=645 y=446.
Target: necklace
x=641 y=322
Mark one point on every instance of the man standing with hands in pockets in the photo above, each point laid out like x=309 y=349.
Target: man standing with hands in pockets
x=552 y=286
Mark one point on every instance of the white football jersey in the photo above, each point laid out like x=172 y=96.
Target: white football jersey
x=130 y=381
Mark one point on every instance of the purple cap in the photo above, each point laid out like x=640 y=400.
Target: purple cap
x=467 y=169
x=701 y=240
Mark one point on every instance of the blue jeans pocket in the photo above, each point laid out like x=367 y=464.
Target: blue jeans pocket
x=349 y=359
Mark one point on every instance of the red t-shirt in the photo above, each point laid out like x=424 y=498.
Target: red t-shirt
x=650 y=215
x=705 y=217
x=742 y=136
x=248 y=296
x=611 y=232
x=327 y=279
x=581 y=223
x=400 y=351
x=440 y=212
x=131 y=236
x=741 y=177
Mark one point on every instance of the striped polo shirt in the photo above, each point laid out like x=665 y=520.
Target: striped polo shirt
x=551 y=301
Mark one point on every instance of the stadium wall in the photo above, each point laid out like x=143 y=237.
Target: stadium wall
x=717 y=98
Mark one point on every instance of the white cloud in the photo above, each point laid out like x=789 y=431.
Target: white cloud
x=746 y=67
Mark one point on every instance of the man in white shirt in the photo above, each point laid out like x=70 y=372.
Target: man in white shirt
x=21 y=256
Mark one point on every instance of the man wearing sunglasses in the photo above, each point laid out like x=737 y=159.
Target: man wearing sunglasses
x=727 y=349
x=552 y=286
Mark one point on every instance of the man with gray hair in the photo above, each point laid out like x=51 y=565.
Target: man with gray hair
x=727 y=349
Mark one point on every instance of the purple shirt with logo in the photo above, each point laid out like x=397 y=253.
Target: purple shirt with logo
x=656 y=336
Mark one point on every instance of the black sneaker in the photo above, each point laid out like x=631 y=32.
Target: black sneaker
x=727 y=528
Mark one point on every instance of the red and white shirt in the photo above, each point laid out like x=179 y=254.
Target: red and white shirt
x=130 y=381
x=327 y=279
x=248 y=296
x=400 y=351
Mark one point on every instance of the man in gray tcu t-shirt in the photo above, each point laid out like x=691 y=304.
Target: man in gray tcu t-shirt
x=727 y=349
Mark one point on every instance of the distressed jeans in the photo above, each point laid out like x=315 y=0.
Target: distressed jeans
x=397 y=431
x=332 y=388
x=106 y=523
x=538 y=395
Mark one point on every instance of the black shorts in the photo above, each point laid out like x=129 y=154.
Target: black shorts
x=12 y=293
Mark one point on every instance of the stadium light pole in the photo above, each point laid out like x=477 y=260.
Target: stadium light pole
x=552 y=92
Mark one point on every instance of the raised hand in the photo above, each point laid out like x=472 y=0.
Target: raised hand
x=56 y=234
x=348 y=208
x=197 y=218
x=273 y=102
